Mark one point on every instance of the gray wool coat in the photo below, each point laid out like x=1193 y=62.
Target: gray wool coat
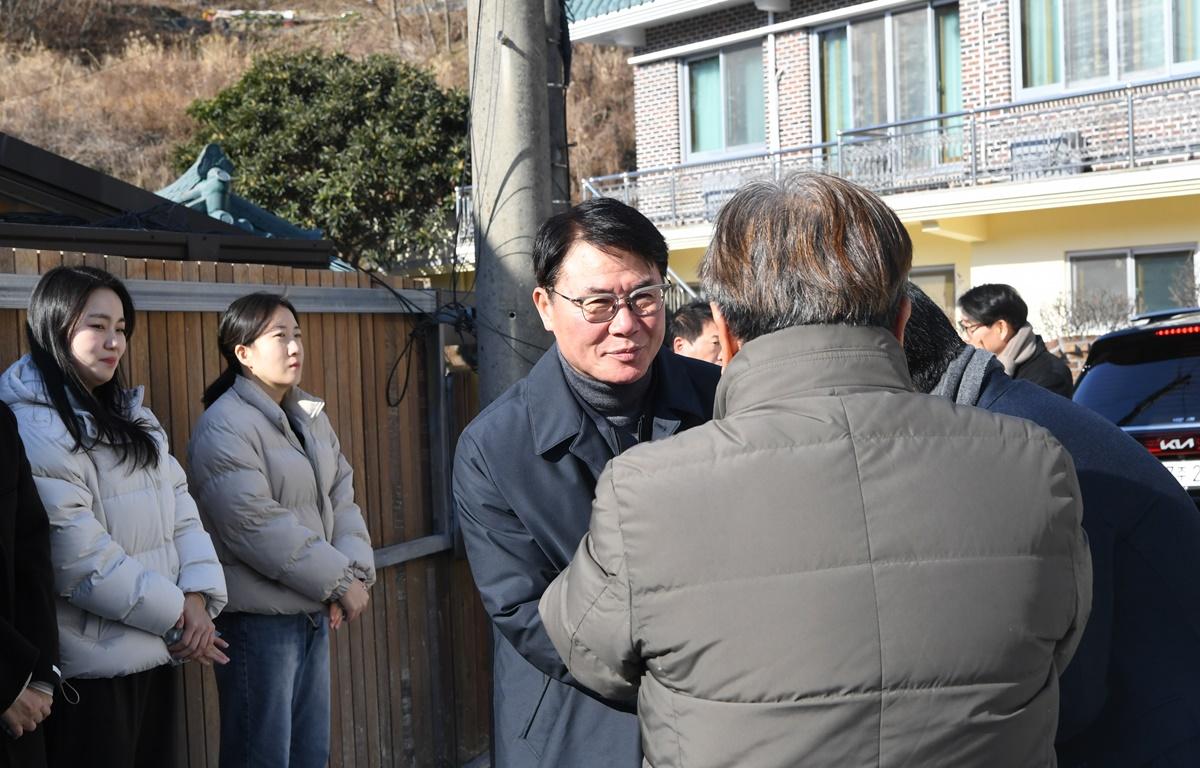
x=280 y=507
x=835 y=571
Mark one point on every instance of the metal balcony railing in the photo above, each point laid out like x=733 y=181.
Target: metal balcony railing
x=680 y=293
x=1101 y=130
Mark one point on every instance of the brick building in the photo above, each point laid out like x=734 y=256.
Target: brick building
x=1050 y=144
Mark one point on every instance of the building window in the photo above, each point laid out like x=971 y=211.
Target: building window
x=1144 y=279
x=725 y=104
x=898 y=66
x=1080 y=43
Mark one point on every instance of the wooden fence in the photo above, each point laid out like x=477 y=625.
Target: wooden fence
x=411 y=677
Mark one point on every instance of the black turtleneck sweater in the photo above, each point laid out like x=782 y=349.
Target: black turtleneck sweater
x=620 y=411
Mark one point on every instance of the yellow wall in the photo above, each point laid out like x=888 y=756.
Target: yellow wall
x=1028 y=250
x=686 y=263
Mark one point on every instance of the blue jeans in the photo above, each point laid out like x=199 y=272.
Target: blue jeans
x=274 y=691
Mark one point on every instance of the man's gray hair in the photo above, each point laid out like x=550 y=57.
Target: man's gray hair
x=809 y=250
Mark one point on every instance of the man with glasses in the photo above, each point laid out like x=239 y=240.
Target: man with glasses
x=525 y=469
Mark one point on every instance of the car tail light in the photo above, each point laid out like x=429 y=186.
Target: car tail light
x=1172 y=445
x=1180 y=330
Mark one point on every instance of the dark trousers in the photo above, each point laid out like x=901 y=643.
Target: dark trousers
x=119 y=722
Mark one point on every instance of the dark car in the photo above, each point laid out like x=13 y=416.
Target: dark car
x=1146 y=379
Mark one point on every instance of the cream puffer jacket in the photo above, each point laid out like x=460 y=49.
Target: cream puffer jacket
x=126 y=543
x=280 y=506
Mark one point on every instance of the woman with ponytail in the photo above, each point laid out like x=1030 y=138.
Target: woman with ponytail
x=278 y=496
x=136 y=578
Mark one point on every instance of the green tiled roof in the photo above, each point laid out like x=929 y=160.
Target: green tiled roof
x=578 y=10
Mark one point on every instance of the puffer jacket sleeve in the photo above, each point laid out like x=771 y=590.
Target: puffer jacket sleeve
x=1068 y=498
x=350 y=536
x=199 y=569
x=233 y=490
x=91 y=570
x=587 y=609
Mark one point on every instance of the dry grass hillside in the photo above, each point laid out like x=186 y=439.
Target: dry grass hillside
x=107 y=83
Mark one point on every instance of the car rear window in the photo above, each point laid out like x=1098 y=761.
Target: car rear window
x=1143 y=379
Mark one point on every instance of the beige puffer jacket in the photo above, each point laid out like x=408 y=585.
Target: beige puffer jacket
x=280 y=508
x=126 y=543
x=835 y=571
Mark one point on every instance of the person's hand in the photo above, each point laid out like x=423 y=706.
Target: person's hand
x=213 y=653
x=198 y=629
x=355 y=600
x=336 y=614
x=30 y=709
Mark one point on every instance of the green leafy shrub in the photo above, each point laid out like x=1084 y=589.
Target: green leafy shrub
x=368 y=150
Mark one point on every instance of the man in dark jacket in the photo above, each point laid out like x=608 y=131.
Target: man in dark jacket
x=995 y=319
x=1131 y=696
x=28 y=625
x=525 y=469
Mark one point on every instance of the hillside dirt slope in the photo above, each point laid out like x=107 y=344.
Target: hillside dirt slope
x=107 y=83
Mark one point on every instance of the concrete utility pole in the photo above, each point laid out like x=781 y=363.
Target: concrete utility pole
x=516 y=144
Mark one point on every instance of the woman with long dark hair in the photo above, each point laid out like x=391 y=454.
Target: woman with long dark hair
x=136 y=577
x=278 y=496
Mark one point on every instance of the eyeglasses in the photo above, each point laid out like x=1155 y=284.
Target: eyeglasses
x=603 y=307
x=969 y=328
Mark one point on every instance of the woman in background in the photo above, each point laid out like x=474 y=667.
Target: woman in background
x=136 y=577
x=278 y=496
x=994 y=317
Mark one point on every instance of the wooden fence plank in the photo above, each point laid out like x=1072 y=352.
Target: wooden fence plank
x=359 y=430
x=11 y=327
x=391 y=579
x=139 y=344
x=48 y=260
x=369 y=475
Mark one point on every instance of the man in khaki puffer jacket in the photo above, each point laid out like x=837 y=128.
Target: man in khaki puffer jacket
x=835 y=571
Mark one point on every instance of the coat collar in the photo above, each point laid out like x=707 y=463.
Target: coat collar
x=811 y=360
x=297 y=402
x=995 y=385
x=556 y=416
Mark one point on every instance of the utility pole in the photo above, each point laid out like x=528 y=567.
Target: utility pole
x=556 y=100
x=516 y=77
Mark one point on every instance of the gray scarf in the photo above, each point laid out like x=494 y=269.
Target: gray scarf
x=963 y=380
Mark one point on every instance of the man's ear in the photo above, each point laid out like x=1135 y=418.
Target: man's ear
x=678 y=345
x=730 y=345
x=1006 y=330
x=541 y=301
x=901 y=322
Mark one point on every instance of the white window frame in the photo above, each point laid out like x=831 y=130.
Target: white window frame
x=685 y=122
x=1114 y=77
x=1130 y=253
x=814 y=47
